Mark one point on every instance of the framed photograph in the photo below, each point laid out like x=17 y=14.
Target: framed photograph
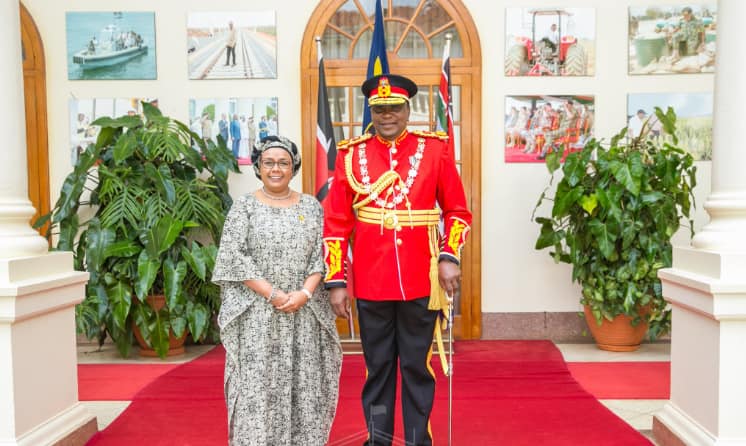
x=693 y=119
x=550 y=41
x=667 y=39
x=84 y=111
x=538 y=125
x=241 y=122
x=232 y=45
x=110 y=45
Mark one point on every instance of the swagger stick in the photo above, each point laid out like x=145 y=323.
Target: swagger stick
x=450 y=370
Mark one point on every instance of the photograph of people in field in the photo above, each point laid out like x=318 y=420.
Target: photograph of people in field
x=693 y=119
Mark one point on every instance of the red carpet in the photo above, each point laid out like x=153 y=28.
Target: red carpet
x=505 y=393
x=116 y=382
x=624 y=380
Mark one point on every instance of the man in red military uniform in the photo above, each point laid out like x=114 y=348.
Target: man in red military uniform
x=391 y=190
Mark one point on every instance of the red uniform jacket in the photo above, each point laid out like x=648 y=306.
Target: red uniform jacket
x=392 y=256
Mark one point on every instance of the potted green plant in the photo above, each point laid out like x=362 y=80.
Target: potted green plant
x=142 y=211
x=613 y=214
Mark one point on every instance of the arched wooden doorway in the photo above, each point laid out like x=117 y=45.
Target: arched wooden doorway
x=35 y=95
x=415 y=35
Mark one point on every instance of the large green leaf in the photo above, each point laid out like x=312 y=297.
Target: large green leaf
x=604 y=237
x=563 y=203
x=196 y=260
x=124 y=147
x=147 y=270
x=120 y=298
x=98 y=241
x=198 y=317
x=122 y=248
x=173 y=277
x=623 y=174
x=160 y=236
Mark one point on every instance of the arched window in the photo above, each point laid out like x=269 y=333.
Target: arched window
x=416 y=33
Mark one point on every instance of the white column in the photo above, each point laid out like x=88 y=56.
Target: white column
x=707 y=284
x=17 y=237
x=38 y=290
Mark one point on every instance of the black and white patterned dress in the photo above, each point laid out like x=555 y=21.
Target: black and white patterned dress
x=281 y=370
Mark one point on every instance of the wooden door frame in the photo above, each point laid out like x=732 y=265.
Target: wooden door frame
x=463 y=68
x=35 y=98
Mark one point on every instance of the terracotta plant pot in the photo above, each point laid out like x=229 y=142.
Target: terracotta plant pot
x=175 y=345
x=618 y=335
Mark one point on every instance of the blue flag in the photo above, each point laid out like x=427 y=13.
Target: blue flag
x=378 y=63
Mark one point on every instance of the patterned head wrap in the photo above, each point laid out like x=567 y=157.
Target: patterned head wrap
x=270 y=142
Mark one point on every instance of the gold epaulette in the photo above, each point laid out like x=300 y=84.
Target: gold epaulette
x=347 y=143
x=443 y=136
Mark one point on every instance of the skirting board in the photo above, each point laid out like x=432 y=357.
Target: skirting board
x=72 y=427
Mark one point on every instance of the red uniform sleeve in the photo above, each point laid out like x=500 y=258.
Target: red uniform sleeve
x=456 y=215
x=339 y=221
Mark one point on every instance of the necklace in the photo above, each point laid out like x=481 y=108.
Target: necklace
x=397 y=192
x=274 y=197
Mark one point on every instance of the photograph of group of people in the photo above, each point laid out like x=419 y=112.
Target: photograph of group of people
x=241 y=122
x=538 y=125
x=110 y=45
x=550 y=42
x=672 y=39
x=232 y=45
x=693 y=120
x=83 y=112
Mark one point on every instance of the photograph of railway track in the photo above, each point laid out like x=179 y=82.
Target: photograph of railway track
x=232 y=45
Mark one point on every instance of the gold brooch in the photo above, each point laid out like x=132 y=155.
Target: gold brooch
x=302 y=219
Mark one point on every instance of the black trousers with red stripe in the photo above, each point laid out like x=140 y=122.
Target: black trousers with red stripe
x=403 y=330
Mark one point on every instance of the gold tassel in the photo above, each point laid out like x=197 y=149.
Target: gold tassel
x=438 y=300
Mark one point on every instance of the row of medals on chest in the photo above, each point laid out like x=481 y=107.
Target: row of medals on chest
x=397 y=192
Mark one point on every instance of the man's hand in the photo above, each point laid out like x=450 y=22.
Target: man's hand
x=449 y=276
x=340 y=302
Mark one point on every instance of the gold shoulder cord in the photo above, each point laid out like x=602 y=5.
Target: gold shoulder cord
x=387 y=179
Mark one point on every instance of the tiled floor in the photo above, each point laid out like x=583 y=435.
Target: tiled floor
x=638 y=413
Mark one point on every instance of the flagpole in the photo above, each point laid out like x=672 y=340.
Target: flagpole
x=319 y=56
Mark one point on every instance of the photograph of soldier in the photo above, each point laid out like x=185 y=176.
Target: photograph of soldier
x=672 y=39
x=545 y=124
x=234 y=120
x=550 y=41
x=693 y=120
x=83 y=112
x=232 y=45
x=110 y=45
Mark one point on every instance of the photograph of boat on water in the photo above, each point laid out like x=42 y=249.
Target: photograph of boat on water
x=110 y=45
x=232 y=45
x=83 y=112
x=240 y=122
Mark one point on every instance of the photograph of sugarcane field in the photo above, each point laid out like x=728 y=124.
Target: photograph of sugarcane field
x=693 y=120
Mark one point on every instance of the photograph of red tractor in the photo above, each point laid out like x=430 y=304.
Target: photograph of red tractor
x=554 y=52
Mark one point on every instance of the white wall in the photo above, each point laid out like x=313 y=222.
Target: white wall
x=515 y=277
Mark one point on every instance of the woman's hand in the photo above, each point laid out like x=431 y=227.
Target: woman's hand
x=295 y=300
x=279 y=299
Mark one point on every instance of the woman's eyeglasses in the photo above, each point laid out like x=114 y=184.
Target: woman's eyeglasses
x=270 y=164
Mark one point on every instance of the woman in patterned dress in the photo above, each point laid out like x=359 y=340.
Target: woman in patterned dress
x=283 y=356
